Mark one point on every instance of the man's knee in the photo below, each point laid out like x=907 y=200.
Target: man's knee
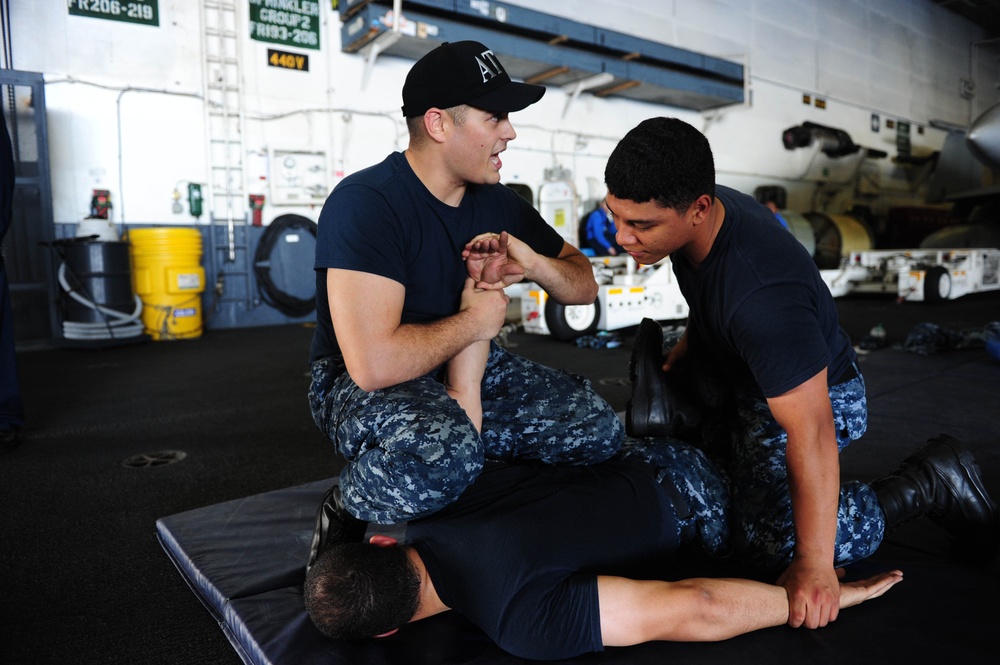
x=599 y=439
x=324 y=373
x=388 y=489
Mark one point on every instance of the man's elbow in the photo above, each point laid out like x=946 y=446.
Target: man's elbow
x=367 y=376
x=366 y=384
x=584 y=293
x=711 y=618
x=706 y=617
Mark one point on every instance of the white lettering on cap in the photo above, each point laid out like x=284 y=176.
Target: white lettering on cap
x=489 y=66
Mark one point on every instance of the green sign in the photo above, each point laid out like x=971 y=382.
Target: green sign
x=288 y=22
x=145 y=12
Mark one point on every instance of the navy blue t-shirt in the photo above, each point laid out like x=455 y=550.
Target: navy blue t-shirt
x=759 y=306
x=384 y=221
x=519 y=552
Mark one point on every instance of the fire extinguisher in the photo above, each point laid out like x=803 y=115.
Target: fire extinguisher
x=100 y=204
x=256 y=205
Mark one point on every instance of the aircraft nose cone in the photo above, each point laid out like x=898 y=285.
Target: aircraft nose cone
x=983 y=137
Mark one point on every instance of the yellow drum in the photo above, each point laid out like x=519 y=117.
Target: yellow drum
x=168 y=276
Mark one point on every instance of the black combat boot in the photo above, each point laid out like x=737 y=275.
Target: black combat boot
x=942 y=480
x=334 y=525
x=660 y=405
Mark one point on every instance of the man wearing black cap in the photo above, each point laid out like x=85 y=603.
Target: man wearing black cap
x=411 y=258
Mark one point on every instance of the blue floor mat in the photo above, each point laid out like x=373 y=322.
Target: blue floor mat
x=244 y=559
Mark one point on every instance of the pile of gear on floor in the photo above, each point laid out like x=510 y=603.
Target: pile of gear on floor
x=929 y=338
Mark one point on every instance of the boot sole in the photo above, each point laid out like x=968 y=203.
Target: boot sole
x=637 y=420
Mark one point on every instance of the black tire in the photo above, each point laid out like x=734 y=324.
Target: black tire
x=937 y=284
x=567 y=322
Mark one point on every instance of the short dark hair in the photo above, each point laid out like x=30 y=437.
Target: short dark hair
x=358 y=590
x=665 y=160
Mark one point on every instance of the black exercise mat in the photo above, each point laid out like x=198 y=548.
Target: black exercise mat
x=244 y=559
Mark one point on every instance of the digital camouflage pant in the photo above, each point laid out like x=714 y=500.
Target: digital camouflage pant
x=753 y=519
x=411 y=449
x=687 y=473
x=762 y=506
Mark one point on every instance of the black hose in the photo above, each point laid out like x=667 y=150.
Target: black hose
x=285 y=303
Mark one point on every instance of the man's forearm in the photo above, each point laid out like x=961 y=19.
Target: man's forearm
x=814 y=484
x=814 y=487
x=413 y=350
x=725 y=608
x=568 y=279
x=813 y=466
x=463 y=380
x=695 y=610
x=705 y=609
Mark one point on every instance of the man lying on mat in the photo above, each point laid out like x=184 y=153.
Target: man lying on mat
x=538 y=557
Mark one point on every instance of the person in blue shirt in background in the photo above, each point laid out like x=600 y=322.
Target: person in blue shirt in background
x=600 y=232
x=773 y=207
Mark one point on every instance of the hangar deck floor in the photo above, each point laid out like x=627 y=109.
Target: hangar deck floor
x=85 y=581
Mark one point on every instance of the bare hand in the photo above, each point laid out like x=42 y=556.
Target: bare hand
x=855 y=593
x=813 y=593
x=490 y=263
x=488 y=306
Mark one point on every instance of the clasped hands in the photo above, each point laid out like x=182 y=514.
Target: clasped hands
x=496 y=260
x=493 y=261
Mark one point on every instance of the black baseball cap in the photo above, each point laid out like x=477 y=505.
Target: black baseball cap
x=464 y=73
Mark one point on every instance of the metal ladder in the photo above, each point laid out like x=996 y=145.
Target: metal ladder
x=224 y=121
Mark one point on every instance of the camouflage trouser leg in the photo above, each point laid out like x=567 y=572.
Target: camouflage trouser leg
x=535 y=412
x=411 y=449
x=700 y=483
x=762 y=506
